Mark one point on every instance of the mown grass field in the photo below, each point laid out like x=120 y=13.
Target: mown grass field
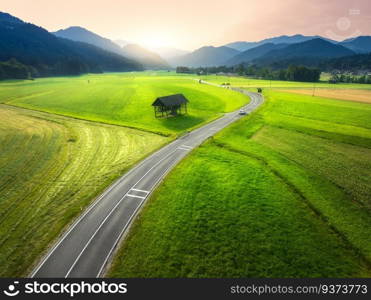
x=51 y=168
x=123 y=99
x=285 y=192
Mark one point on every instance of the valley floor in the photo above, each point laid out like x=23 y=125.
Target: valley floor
x=285 y=192
x=123 y=99
x=54 y=162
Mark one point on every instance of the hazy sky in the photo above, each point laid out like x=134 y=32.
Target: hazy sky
x=189 y=24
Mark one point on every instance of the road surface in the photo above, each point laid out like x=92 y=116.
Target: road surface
x=87 y=246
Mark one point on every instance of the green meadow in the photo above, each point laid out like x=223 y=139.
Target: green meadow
x=254 y=83
x=123 y=99
x=61 y=147
x=284 y=192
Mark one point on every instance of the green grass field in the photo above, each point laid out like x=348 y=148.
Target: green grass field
x=51 y=168
x=254 y=83
x=285 y=192
x=123 y=99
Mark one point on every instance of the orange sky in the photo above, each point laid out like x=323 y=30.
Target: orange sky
x=189 y=24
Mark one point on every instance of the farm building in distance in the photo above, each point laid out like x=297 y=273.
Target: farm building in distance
x=172 y=105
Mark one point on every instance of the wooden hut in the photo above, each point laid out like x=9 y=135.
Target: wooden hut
x=172 y=105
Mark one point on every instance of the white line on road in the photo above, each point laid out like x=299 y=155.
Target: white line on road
x=185 y=149
x=134 y=196
x=137 y=190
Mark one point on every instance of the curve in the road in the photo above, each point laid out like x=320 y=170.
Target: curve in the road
x=89 y=243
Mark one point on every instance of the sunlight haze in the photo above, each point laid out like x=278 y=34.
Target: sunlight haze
x=191 y=24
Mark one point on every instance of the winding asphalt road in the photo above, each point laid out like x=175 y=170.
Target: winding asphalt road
x=89 y=243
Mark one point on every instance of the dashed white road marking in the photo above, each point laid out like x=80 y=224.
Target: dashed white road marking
x=137 y=190
x=185 y=149
x=135 y=196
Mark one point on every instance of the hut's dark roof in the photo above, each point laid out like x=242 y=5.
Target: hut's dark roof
x=172 y=100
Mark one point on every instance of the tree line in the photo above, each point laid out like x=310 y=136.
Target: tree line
x=13 y=69
x=292 y=73
x=349 y=78
x=355 y=63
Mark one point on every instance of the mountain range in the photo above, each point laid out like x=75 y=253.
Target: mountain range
x=291 y=49
x=361 y=44
x=169 y=53
x=254 y=53
x=148 y=59
x=76 y=50
x=205 y=57
x=50 y=55
x=316 y=49
x=283 y=39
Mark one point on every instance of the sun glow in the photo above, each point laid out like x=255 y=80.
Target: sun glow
x=156 y=40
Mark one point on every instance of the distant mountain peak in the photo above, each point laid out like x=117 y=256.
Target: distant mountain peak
x=132 y=51
x=221 y=48
x=316 y=40
x=310 y=50
x=75 y=30
x=254 y=53
x=360 y=44
x=72 y=31
x=49 y=55
x=169 y=52
x=282 y=39
x=81 y=34
x=207 y=56
x=5 y=17
x=148 y=58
